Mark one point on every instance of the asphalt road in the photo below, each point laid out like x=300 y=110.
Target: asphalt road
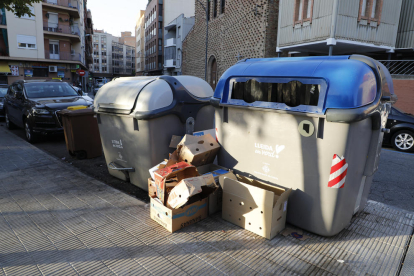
x=393 y=183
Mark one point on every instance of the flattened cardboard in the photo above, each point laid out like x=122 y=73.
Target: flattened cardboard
x=166 y=178
x=211 y=131
x=255 y=206
x=176 y=219
x=215 y=200
x=198 y=150
x=295 y=233
x=189 y=187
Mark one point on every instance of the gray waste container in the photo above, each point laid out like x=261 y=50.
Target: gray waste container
x=313 y=124
x=137 y=117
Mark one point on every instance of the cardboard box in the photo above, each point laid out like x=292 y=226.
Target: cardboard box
x=167 y=178
x=198 y=150
x=152 y=189
x=175 y=219
x=215 y=200
x=157 y=167
x=190 y=187
x=255 y=206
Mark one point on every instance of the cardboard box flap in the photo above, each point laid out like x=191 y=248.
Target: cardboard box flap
x=175 y=140
x=278 y=191
x=261 y=197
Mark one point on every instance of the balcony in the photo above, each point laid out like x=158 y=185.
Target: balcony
x=170 y=63
x=169 y=42
x=70 y=56
x=61 y=30
x=70 y=6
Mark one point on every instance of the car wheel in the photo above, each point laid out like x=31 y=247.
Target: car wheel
x=30 y=136
x=9 y=124
x=403 y=140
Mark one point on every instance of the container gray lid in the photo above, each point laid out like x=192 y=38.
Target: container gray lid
x=119 y=96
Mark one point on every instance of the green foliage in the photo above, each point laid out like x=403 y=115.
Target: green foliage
x=18 y=7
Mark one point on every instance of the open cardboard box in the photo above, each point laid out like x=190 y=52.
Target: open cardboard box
x=215 y=200
x=255 y=206
x=175 y=219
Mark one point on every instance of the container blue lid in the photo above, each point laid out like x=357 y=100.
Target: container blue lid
x=350 y=83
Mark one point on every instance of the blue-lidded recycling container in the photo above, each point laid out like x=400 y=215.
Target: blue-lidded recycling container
x=313 y=124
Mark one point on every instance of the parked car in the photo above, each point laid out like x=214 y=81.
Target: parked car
x=33 y=105
x=401 y=136
x=96 y=89
x=3 y=92
x=83 y=94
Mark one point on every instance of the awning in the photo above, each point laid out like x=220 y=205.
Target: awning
x=4 y=67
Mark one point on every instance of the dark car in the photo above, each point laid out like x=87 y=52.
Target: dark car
x=33 y=105
x=3 y=92
x=401 y=136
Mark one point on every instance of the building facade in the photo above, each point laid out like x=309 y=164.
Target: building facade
x=174 y=34
x=111 y=57
x=48 y=45
x=140 y=44
x=127 y=38
x=236 y=30
x=154 y=38
x=322 y=27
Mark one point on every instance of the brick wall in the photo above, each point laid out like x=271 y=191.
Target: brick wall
x=248 y=28
x=404 y=89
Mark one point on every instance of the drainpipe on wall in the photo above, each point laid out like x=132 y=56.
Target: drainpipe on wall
x=331 y=41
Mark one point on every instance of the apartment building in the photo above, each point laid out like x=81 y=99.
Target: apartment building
x=111 y=57
x=179 y=19
x=154 y=38
x=322 y=27
x=48 y=45
x=140 y=44
x=127 y=38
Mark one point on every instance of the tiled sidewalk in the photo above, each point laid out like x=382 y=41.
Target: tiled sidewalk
x=56 y=220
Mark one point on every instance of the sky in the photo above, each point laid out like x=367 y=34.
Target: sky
x=115 y=16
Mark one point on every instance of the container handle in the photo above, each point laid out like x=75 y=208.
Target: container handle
x=114 y=166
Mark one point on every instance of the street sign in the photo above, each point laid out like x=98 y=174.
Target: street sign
x=81 y=73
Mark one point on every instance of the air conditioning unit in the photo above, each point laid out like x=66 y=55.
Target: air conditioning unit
x=52 y=68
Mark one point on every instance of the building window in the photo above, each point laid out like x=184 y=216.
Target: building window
x=208 y=10
x=103 y=53
x=303 y=10
x=26 y=42
x=215 y=8
x=26 y=16
x=104 y=69
x=223 y=4
x=370 y=10
x=41 y=72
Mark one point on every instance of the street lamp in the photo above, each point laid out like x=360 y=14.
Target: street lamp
x=206 y=10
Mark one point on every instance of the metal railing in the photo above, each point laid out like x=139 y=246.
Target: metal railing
x=64 y=3
x=73 y=56
x=399 y=67
x=63 y=29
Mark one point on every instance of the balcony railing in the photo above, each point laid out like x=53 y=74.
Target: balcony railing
x=170 y=42
x=170 y=63
x=72 y=56
x=399 y=67
x=64 y=3
x=63 y=29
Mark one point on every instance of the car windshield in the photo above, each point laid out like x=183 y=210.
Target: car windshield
x=49 y=90
x=3 y=91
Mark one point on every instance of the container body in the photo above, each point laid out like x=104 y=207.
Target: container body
x=268 y=146
x=82 y=133
x=142 y=144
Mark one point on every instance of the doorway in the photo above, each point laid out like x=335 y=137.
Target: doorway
x=54 y=49
x=52 y=22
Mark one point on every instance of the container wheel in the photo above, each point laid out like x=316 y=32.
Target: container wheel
x=81 y=154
